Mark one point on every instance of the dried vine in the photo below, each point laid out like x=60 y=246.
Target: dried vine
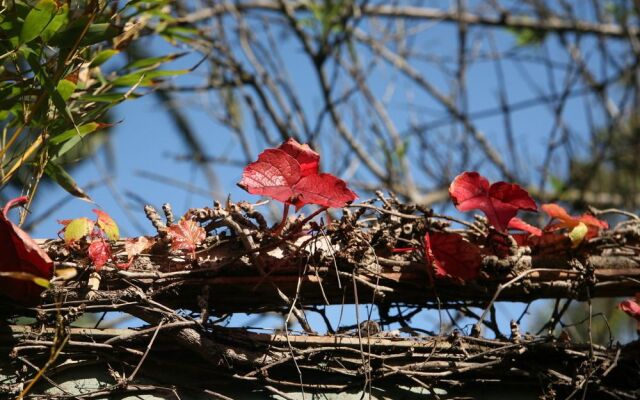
x=184 y=300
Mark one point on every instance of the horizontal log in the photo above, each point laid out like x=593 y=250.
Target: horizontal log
x=241 y=288
x=335 y=363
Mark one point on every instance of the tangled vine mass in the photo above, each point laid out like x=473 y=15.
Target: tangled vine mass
x=185 y=284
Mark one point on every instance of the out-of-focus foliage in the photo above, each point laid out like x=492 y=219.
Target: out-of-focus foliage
x=615 y=168
x=61 y=71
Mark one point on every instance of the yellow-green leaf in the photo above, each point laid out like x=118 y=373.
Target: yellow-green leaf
x=37 y=20
x=25 y=276
x=107 y=224
x=82 y=131
x=145 y=78
x=65 y=88
x=578 y=233
x=77 y=229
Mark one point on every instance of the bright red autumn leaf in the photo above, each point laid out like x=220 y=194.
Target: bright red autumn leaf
x=304 y=155
x=274 y=175
x=290 y=174
x=322 y=189
x=565 y=221
x=19 y=253
x=500 y=201
x=186 y=235
x=451 y=255
x=99 y=252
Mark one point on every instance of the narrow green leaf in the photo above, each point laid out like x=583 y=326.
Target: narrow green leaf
x=102 y=57
x=154 y=61
x=145 y=78
x=107 y=97
x=47 y=84
x=96 y=33
x=37 y=20
x=81 y=132
x=62 y=178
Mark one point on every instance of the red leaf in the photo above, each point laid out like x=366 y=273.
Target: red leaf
x=518 y=224
x=500 y=202
x=307 y=158
x=273 y=175
x=186 y=235
x=566 y=221
x=549 y=243
x=290 y=174
x=451 y=255
x=99 y=252
x=632 y=308
x=324 y=190
x=19 y=253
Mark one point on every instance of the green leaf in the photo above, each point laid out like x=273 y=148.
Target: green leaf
x=37 y=20
x=145 y=78
x=102 y=57
x=154 y=61
x=578 y=233
x=62 y=178
x=108 y=97
x=65 y=88
x=47 y=84
x=77 y=229
x=96 y=33
x=59 y=20
x=80 y=132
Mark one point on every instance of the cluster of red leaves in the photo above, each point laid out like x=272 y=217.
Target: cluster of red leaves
x=96 y=237
x=451 y=255
x=565 y=221
x=500 y=201
x=290 y=174
x=97 y=233
x=20 y=254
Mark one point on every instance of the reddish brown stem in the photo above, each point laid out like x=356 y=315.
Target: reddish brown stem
x=14 y=203
x=285 y=212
